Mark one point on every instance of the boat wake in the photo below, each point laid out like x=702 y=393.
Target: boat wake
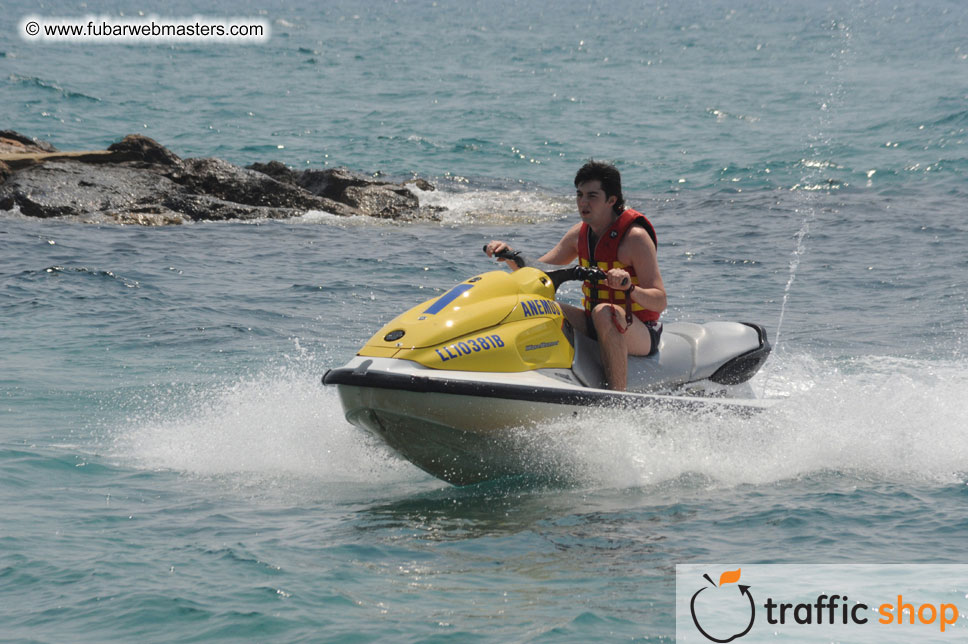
x=268 y=428
x=871 y=417
x=878 y=418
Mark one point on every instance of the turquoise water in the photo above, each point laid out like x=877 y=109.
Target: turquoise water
x=172 y=470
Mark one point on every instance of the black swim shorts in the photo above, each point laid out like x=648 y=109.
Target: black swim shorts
x=655 y=333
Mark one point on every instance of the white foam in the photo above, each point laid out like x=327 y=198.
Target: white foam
x=462 y=207
x=342 y=221
x=886 y=418
x=493 y=206
x=282 y=423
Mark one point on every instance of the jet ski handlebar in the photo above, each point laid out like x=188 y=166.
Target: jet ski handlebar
x=560 y=276
x=513 y=255
x=576 y=273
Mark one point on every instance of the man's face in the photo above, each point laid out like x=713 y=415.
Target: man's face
x=593 y=206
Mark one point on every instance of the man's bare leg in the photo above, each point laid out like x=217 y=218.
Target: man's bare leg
x=576 y=316
x=616 y=346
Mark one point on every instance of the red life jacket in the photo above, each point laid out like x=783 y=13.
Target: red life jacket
x=605 y=256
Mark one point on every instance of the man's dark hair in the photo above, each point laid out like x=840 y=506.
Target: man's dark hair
x=608 y=175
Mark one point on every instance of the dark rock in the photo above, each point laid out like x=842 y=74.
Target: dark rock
x=276 y=170
x=147 y=216
x=371 y=197
x=205 y=207
x=382 y=201
x=334 y=182
x=65 y=188
x=228 y=182
x=140 y=181
x=15 y=143
x=145 y=149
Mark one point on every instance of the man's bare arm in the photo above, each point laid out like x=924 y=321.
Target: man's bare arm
x=638 y=250
x=565 y=251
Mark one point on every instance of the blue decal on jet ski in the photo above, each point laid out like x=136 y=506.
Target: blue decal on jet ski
x=447 y=298
x=469 y=346
x=543 y=345
x=450 y=356
x=540 y=307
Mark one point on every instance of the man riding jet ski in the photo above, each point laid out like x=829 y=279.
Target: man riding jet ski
x=455 y=383
x=622 y=242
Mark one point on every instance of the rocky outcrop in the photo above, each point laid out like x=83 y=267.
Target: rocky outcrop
x=71 y=188
x=144 y=149
x=368 y=196
x=15 y=143
x=137 y=180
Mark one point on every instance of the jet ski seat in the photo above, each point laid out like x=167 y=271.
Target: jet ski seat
x=725 y=352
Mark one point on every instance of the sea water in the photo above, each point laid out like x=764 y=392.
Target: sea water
x=171 y=468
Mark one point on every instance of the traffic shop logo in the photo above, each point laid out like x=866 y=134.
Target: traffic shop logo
x=728 y=595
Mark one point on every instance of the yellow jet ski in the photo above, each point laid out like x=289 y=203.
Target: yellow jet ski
x=450 y=383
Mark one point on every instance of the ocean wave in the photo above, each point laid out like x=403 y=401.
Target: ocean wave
x=34 y=81
x=955 y=118
x=92 y=272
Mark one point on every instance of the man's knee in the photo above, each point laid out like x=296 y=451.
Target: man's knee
x=603 y=318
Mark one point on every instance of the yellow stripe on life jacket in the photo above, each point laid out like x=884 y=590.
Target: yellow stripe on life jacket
x=602 y=294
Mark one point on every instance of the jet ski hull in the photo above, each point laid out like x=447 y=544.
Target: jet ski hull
x=466 y=428
x=457 y=438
